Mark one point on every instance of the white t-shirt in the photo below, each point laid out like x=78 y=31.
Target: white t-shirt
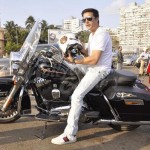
x=144 y=55
x=101 y=41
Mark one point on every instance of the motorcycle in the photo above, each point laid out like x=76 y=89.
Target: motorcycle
x=119 y=100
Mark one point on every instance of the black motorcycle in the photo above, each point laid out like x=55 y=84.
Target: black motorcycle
x=119 y=100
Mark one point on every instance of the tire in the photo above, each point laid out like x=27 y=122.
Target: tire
x=124 y=127
x=10 y=115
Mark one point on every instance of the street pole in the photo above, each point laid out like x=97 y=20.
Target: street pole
x=17 y=36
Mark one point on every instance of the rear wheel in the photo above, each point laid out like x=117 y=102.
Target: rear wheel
x=11 y=114
x=124 y=127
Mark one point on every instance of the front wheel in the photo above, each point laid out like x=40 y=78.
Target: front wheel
x=11 y=114
x=124 y=127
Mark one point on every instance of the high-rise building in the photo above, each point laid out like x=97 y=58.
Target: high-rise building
x=134 y=29
x=1 y=42
x=75 y=25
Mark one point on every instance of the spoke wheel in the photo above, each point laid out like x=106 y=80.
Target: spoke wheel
x=10 y=115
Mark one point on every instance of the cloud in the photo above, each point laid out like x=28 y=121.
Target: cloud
x=115 y=6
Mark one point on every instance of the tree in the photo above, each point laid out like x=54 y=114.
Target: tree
x=29 y=22
x=11 y=36
x=83 y=36
x=14 y=36
x=11 y=29
x=44 y=32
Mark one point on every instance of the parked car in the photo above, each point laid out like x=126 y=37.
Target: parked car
x=129 y=59
x=4 y=67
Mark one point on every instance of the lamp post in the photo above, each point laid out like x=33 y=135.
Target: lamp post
x=16 y=36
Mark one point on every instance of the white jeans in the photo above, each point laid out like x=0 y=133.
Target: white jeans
x=91 y=78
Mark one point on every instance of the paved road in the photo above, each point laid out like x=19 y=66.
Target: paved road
x=21 y=136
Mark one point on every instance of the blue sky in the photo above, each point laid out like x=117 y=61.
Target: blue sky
x=54 y=11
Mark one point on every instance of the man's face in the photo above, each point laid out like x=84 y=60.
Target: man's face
x=90 y=21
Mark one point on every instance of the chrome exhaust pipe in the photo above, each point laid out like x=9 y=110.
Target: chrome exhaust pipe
x=122 y=122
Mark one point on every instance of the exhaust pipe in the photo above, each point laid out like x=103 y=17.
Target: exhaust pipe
x=122 y=122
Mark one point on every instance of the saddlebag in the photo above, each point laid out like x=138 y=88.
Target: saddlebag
x=131 y=103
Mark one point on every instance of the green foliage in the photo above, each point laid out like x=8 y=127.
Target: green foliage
x=83 y=36
x=29 y=22
x=11 y=46
x=14 y=36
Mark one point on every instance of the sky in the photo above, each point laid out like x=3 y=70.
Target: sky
x=54 y=11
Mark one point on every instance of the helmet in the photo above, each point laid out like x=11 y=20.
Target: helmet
x=69 y=43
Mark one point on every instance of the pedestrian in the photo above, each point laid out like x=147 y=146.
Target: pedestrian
x=98 y=58
x=119 y=58
x=143 y=60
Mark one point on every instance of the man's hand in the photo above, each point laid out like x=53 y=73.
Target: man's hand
x=69 y=58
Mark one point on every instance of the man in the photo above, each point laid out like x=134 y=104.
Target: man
x=144 y=56
x=119 y=58
x=98 y=57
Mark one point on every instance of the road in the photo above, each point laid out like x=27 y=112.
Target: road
x=21 y=135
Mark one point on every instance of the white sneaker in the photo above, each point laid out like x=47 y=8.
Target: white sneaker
x=63 y=139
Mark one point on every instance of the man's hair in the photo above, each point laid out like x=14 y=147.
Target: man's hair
x=94 y=11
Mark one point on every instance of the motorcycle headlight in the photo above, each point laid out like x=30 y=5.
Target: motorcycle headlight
x=21 y=71
x=14 y=68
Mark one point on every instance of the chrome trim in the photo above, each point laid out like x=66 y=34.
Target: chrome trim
x=111 y=109
x=20 y=99
x=12 y=93
x=122 y=122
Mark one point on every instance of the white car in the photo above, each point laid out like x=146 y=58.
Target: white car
x=129 y=59
x=4 y=67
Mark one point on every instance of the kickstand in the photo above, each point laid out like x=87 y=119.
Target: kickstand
x=43 y=132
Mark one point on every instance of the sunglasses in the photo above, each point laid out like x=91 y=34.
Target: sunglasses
x=87 y=18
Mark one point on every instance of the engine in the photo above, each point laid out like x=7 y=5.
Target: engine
x=55 y=81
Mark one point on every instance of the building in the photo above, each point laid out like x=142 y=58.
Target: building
x=134 y=29
x=74 y=25
x=55 y=34
x=1 y=42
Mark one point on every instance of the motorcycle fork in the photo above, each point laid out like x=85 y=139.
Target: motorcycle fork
x=17 y=83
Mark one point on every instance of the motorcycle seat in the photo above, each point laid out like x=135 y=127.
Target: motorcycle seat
x=117 y=77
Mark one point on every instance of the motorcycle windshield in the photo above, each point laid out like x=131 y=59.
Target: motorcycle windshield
x=29 y=46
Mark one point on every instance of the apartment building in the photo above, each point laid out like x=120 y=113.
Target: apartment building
x=134 y=29
x=74 y=25
x=1 y=42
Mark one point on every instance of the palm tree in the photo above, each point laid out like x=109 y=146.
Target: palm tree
x=11 y=28
x=44 y=31
x=29 y=22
